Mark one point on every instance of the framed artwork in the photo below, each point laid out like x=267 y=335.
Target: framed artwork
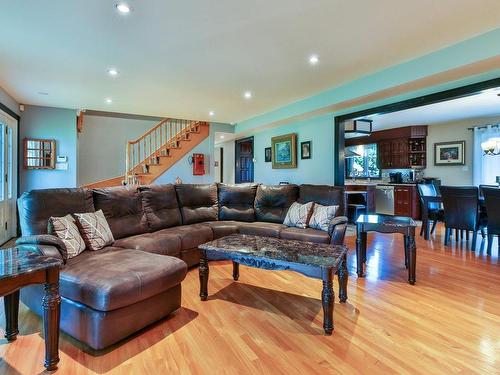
x=268 y=154
x=284 y=151
x=449 y=153
x=305 y=150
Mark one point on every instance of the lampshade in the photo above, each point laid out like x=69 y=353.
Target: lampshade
x=491 y=146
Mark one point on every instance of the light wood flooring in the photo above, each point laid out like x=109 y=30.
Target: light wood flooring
x=271 y=322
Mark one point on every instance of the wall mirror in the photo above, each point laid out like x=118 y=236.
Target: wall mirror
x=39 y=153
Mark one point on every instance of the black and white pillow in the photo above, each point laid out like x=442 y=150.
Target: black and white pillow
x=298 y=215
x=322 y=216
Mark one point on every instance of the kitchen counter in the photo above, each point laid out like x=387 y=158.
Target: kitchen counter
x=377 y=182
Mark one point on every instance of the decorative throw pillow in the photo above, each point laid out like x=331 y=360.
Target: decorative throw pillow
x=95 y=230
x=321 y=216
x=65 y=228
x=298 y=215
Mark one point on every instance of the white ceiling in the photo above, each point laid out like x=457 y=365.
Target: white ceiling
x=485 y=104
x=186 y=58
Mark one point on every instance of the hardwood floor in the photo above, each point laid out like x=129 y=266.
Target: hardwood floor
x=271 y=322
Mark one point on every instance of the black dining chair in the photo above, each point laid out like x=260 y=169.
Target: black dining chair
x=492 y=203
x=431 y=211
x=461 y=212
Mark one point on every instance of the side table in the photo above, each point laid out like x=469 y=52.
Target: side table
x=19 y=268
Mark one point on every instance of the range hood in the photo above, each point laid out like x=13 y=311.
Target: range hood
x=357 y=128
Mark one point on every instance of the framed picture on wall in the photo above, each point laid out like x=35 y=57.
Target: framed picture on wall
x=305 y=150
x=284 y=151
x=268 y=154
x=449 y=153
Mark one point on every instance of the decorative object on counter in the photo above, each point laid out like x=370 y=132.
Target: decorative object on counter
x=268 y=154
x=284 y=151
x=39 y=153
x=449 y=153
x=305 y=150
x=357 y=128
x=178 y=181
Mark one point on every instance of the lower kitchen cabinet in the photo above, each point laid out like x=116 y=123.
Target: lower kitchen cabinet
x=407 y=201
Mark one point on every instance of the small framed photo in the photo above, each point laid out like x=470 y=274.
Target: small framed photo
x=305 y=150
x=449 y=153
x=268 y=154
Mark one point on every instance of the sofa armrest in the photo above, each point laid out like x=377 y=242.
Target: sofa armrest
x=45 y=244
x=336 y=230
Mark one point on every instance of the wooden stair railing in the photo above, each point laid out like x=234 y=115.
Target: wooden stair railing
x=160 y=141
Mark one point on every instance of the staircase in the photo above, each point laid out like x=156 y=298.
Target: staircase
x=154 y=152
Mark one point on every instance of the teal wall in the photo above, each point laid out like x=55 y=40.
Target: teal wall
x=317 y=170
x=473 y=50
x=50 y=123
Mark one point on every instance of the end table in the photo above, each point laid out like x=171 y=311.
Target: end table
x=19 y=268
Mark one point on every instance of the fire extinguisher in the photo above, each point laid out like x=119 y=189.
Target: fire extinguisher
x=198 y=161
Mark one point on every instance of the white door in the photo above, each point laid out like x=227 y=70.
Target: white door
x=8 y=175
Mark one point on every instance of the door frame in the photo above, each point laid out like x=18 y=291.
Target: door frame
x=440 y=96
x=237 y=157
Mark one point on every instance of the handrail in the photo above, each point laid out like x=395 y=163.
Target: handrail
x=141 y=152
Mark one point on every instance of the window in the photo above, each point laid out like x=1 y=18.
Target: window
x=485 y=168
x=362 y=161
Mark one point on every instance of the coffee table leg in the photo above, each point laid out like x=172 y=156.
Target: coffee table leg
x=360 y=251
x=51 y=302
x=203 y=277
x=412 y=259
x=327 y=298
x=236 y=271
x=11 y=305
x=343 y=277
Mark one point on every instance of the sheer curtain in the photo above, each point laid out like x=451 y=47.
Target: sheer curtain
x=485 y=168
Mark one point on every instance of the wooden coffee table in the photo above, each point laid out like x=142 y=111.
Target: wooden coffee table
x=320 y=261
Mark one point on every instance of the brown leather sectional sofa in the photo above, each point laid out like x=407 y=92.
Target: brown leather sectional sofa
x=111 y=293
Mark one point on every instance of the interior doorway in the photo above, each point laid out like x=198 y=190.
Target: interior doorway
x=8 y=173
x=244 y=160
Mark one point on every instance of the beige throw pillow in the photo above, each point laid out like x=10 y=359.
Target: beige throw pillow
x=95 y=230
x=66 y=229
x=298 y=215
x=322 y=216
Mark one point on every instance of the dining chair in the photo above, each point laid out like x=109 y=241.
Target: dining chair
x=461 y=212
x=431 y=211
x=492 y=203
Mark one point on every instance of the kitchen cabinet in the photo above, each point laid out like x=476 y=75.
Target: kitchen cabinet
x=406 y=201
x=393 y=153
x=370 y=194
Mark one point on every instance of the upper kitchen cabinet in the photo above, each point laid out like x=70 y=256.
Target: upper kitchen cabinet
x=399 y=147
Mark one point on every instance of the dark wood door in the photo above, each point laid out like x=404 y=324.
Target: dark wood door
x=244 y=160
x=385 y=157
x=403 y=201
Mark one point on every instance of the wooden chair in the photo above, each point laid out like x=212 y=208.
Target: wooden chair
x=431 y=209
x=492 y=203
x=461 y=212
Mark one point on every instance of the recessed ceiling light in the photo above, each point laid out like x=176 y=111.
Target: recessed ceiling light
x=313 y=59
x=211 y=113
x=248 y=95
x=221 y=137
x=123 y=8
x=109 y=100
x=112 y=72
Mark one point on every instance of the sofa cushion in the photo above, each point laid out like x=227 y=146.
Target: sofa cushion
x=261 y=229
x=191 y=236
x=325 y=195
x=322 y=216
x=122 y=207
x=236 y=202
x=114 y=277
x=66 y=229
x=160 y=206
x=158 y=243
x=37 y=206
x=94 y=229
x=223 y=228
x=272 y=202
x=298 y=215
x=198 y=202
x=308 y=234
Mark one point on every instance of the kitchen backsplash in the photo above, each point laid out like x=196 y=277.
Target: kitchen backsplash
x=405 y=173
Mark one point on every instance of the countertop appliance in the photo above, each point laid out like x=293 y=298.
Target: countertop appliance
x=384 y=199
x=396 y=177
